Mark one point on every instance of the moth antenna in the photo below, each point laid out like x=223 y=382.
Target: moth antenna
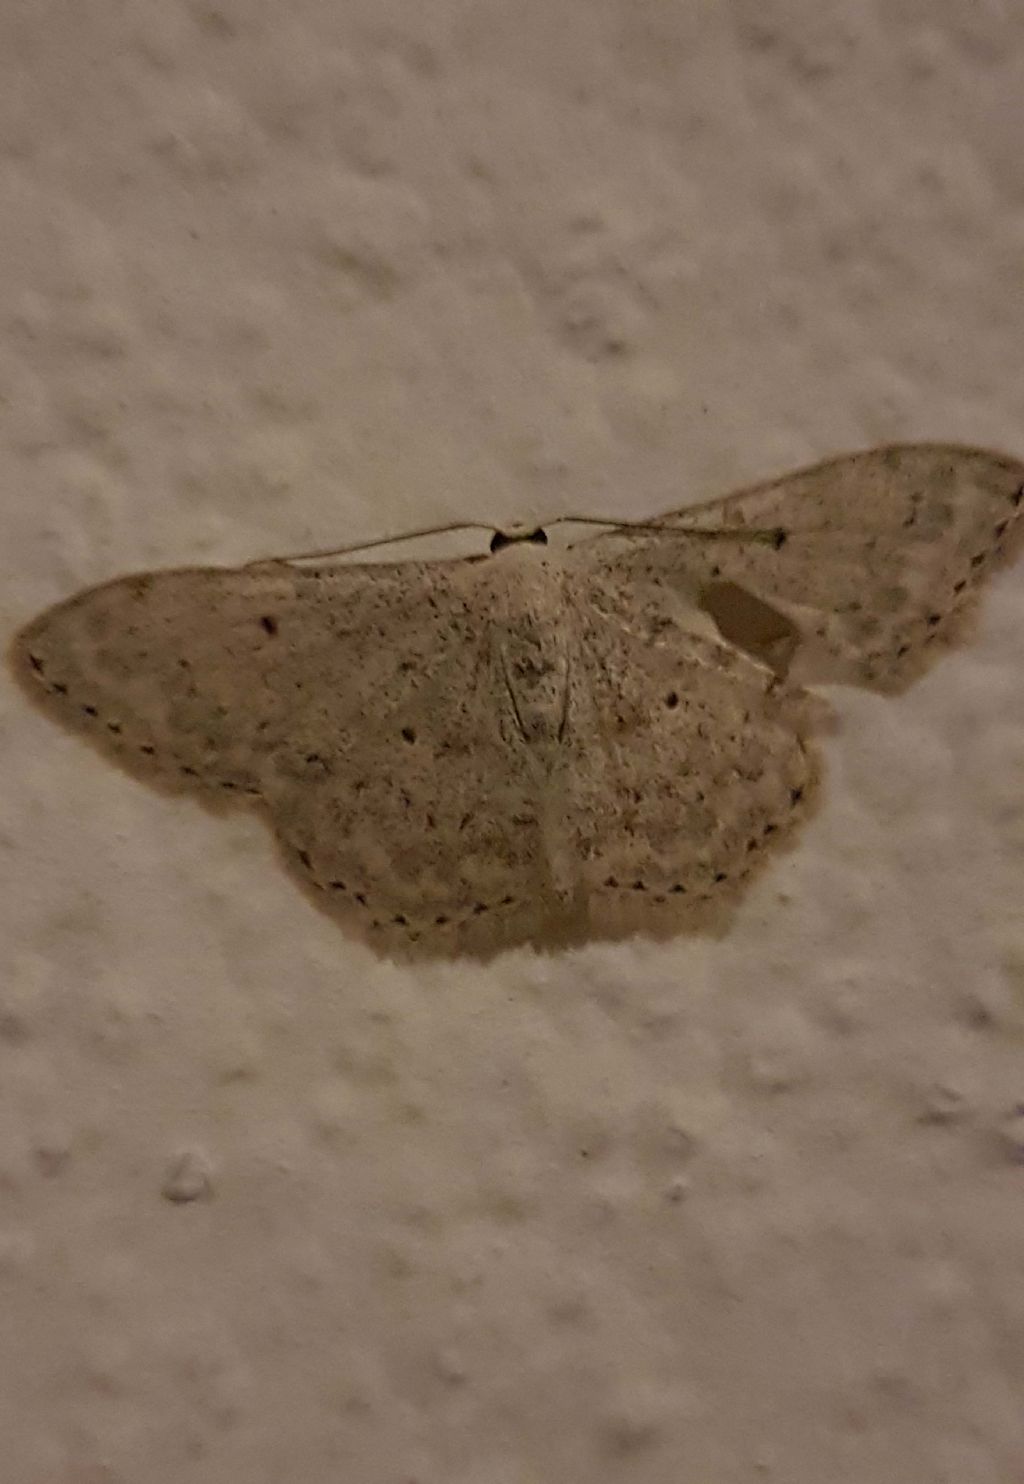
x=334 y=551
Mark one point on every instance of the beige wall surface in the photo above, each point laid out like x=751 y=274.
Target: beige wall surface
x=274 y=1209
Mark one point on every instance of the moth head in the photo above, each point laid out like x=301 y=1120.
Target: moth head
x=516 y=533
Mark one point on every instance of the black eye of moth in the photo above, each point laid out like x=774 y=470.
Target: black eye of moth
x=501 y=539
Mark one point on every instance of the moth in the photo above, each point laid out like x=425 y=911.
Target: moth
x=528 y=745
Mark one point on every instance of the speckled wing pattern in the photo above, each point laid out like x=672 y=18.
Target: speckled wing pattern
x=695 y=762
x=882 y=555
x=349 y=704
x=456 y=756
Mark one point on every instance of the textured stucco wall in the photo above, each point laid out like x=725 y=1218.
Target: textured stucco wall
x=275 y=276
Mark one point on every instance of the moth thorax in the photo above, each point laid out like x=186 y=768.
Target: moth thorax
x=535 y=663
